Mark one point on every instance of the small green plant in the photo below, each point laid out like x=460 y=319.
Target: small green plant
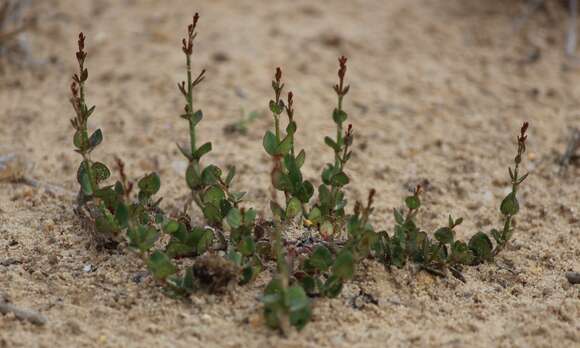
x=409 y=242
x=230 y=247
x=90 y=174
x=285 y=305
x=329 y=213
x=109 y=205
x=241 y=126
x=286 y=175
x=210 y=190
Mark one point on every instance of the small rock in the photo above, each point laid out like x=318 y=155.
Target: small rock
x=573 y=277
x=139 y=276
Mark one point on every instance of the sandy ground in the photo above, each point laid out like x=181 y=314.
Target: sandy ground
x=438 y=91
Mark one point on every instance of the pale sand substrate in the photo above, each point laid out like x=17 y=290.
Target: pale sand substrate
x=438 y=92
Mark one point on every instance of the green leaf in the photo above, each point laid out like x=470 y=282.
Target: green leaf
x=142 y=238
x=85 y=181
x=205 y=241
x=185 y=151
x=171 y=227
x=444 y=235
x=281 y=181
x=276 y=108
x=497 y=236
x=122 y=215
x=328 y=172
x=235 y=257
x=344 y=265
x=247 y=246
x=237 y=196
x=95 y=139
x=332 y=287
x=150 y=184
x=203 y=149
x=80 y=142
x=234 y=218
x=339 y=116
x=291 y=128
x=248 y=274
x=106 y=224
x=285 y=145
x=299 y=306
x=321 y=259
x=339 y=179
x=211 y=175
x=176 y=248
x=315 y=215
x=270 y=143
x=160 y=266
x=510 y=205
x=193 y=176
x=300 y=158
x=308 y=284
x=331 y=143
x=197 y=117
x=277 y=210
x=187 y=282
x=326 y=228
x=413 y=202
x=461 y=253
x=230 y=176
x=249 y=216
x=398 y=217
x=212 y=213
x=294 y=208
x=100 y=171
x=481 y=246
x=214 y=195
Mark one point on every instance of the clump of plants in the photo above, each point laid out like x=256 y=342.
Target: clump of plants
x=216 y=241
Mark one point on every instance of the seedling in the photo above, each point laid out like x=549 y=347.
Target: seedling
x=409 y=242
x=242 y=125
x=285 y=304
x=329 y=213
x=286 y=175
x=210 y=190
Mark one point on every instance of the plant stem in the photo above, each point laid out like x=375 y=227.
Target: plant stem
x=189 y=98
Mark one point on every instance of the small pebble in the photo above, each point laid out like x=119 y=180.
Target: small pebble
x=573 y=277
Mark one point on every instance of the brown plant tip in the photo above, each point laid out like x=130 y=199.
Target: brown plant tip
x=418 y=190
x=81 y=41
x=371 y=198
x=188 y=42
x=339 y=88
x=74 y=89
x=81 y=54
x=121 y=168
x=199 y=78
x=522 y=142
x=349 y=131
x=278 y=74
x=289 y=106
x=181 y=87
x=342 y=67
x=195 y=19
x=523 y=136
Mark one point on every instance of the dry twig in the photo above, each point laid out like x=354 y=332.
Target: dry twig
x=22 y=313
